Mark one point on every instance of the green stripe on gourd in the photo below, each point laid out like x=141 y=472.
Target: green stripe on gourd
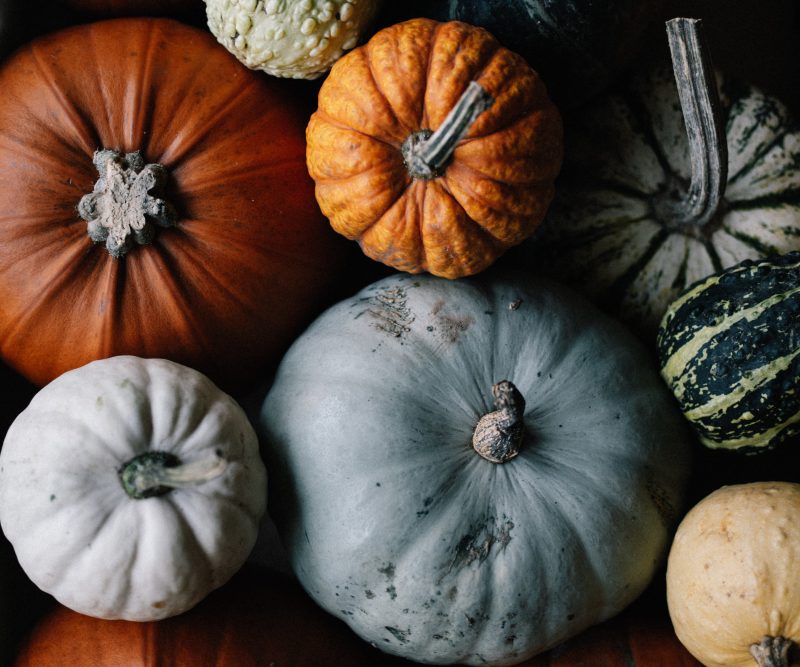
x=729 y=348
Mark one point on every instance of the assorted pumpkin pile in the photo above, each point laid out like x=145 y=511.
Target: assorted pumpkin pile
x=469 y=461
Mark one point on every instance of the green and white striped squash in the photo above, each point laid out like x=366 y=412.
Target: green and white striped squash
x=729 y=348
x=611 y=231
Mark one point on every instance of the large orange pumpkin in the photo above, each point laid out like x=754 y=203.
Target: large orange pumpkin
x=434 y=147
x=244 y=266
x=256 y=619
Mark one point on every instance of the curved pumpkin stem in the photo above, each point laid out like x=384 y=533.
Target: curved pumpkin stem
x=427 y=153
x=155 y=473
x=772 y=651
x=498 y=435
x=702 y=114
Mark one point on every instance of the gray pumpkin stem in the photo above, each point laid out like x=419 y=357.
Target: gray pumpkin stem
x=427 y=153
x=498 y=435
x=702 y=114
x=124 y=204
x=772 y=651
x=155 y=473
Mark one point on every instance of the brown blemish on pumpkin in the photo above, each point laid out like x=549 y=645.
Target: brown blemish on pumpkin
x=449 y=328
x=389 y=311
x=160 y=604
x=476 y=545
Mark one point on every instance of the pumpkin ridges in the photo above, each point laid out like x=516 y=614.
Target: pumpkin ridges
x=459 y=54
x=82 y=134
x=403 y=81
x=454 y=244
x=399 y=227
x=367 y=110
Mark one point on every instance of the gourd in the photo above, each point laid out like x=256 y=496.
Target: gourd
x=256 y=619
x=299 y=40
x=471 y=471
x=434 y=147
x=732 y=576
x=130 y=488
x=635 y=221
x=578 y=46
x=207 y=159
x=729 y=348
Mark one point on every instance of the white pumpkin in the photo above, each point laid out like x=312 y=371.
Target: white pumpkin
x=624 y=227
x=130 y=488
x=393 y=520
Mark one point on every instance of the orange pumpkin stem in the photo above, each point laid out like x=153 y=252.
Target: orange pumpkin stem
x=772 y=651
x=498 y=435
x=121 y=208
x=427 y=153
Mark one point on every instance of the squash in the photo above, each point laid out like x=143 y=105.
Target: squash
x=203 y=145
x=130 y=488
x=636 y=221
x=256 y=619
x=471 y=471
x=732 y=576
x=578 y=46
x=299 y=40
x=434 y=147
x=729 y=348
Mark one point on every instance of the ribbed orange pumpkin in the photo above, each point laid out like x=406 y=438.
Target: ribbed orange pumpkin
x=247 y=262
x=427 y=170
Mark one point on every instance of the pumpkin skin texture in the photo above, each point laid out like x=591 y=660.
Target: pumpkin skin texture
x=395 y=524
x=729 y=349
x=83 y=536
x=256 y=619
x=246 y=264
x=626 y=153
x=492 y=191
x=579 y=46
x=732 y=573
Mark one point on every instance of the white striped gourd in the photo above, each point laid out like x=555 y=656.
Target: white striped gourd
x=641 y=212
x=729 y=348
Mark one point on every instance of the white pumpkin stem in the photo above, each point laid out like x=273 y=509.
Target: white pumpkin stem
x=702 y=114
x=499 y=434
x=121 y=208
x=772 y=651
x=155 y=473
x=427 y=153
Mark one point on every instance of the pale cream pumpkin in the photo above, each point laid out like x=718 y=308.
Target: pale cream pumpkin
x=732 y=576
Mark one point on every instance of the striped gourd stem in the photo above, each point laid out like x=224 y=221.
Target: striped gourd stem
x=702 y=113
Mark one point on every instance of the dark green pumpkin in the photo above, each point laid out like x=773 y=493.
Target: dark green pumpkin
x=729 y=348
x=578 y=46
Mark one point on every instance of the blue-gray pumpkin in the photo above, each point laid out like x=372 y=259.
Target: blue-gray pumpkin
x=472 y=471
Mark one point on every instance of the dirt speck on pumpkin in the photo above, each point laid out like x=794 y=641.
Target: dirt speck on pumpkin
x=516 y=303
x=159 y=605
